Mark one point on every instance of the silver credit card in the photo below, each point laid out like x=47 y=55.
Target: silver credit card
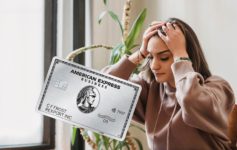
x=88 y=98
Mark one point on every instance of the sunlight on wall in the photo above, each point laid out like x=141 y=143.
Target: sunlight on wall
x=21 y=28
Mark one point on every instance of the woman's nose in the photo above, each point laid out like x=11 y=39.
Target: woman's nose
x=154 y=64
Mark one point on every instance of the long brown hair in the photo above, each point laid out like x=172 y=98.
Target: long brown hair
x=194 y=50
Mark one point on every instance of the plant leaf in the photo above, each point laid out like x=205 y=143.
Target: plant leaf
x=115 y=17
x=136 y=29
x=120 y=145
x=140 y=128
x=74 y=133
x=97 y=137
x=116 y=53
x=106 y=142
x=138 y=143
x=105 y=2
x=102 y=16
x=129 y=50
x=114 y=142
x=126 y=145
x=101 y=145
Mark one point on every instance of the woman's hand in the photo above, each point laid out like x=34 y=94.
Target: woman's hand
x=151 y=31
x=174 y=39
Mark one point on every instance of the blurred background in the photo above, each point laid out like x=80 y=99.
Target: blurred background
x=32 y=32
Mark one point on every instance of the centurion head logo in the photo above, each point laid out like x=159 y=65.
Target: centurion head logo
x=88 y=99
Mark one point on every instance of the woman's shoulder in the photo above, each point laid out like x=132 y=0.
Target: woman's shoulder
x=216 y=79
x=219 y=82
x=222 y=85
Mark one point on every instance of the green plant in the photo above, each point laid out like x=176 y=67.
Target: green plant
x=128 y=38
x=97 y=141
x=124 y=47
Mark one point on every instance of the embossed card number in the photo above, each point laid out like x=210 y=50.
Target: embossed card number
x=88 y=98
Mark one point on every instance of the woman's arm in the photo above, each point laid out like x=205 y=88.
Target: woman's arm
x=127 y=64
x=205 y=104
x=123 y=69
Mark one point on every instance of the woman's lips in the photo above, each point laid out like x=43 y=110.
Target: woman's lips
x=158 y=74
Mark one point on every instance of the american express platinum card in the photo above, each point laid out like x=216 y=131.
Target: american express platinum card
x=88 y=98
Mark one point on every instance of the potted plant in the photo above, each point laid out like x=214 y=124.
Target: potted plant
x=126 y=46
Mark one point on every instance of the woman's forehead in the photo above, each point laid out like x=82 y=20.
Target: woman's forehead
x=156 y=45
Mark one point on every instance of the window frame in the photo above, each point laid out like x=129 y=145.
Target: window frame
x=79 y=41
x=50 y=43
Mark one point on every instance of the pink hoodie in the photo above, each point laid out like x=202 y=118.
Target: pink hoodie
x=193 y=116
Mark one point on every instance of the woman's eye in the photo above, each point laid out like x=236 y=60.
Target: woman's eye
x=164 y=58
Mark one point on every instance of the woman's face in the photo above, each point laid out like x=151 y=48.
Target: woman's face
x=160 y=60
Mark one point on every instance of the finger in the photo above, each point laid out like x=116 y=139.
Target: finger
x=155 y=26
x=176 y=27
x=162 y=36
x=156 y=22
x=150 y=34
x=165 y=29
x=169 y=26
x=152 y=28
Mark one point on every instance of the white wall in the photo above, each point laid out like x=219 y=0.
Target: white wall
x=106 y=33
x=214 y=22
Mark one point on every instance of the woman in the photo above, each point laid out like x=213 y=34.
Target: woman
x=182 y=106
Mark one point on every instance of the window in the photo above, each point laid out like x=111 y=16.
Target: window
x=26 y=55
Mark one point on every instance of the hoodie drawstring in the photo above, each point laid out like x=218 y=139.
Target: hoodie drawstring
x=157 y=118
x=169 y=127
x=169 y=123
x=158 y=115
